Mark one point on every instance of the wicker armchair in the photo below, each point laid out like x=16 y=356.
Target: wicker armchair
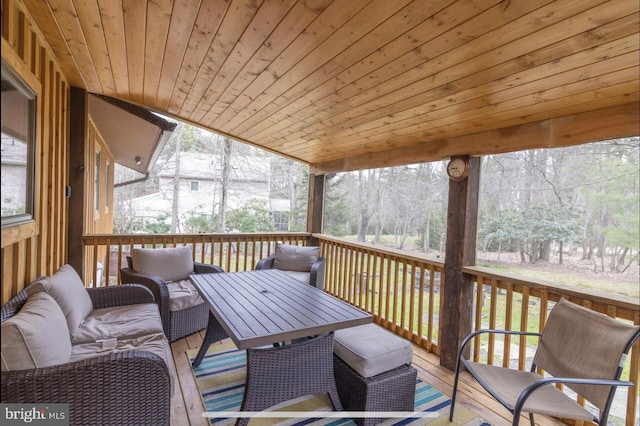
x=176 y=321
x=303 y=263
x=128 y=387
x=282 y=373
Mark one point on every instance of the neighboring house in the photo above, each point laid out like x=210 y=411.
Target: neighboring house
x=200 y=188
x=280 y=209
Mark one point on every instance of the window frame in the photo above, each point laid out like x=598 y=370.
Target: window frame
x=96 y=181
x=107 y=193
x=29 y=216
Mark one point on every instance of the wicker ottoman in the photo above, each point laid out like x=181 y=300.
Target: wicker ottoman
x=373 y=371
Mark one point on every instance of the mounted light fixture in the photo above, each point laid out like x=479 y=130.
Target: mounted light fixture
x=138 y=161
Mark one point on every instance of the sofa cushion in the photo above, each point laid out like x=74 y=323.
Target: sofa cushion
x=66 y=288
x=37 y=336
x=156 y=343
x=119 y=322
x=170 y=264
x=295 y=258
x=371 y=350
x=183 y=295
x=304 y=277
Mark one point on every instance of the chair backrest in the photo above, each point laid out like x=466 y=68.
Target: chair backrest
x=580 y=343
x=295 y=258
x=170 y=264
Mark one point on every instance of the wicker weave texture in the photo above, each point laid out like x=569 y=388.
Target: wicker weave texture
x=393 y=390
x=126 y=294
x=282 y=373
x=123 y=388
x=187 y=321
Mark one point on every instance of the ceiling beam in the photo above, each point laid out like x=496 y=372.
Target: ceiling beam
x=607 y=123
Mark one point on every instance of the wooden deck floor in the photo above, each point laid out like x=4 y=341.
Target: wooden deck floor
x=186 y=407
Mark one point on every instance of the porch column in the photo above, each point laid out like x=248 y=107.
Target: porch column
x=79 y=106
x=315 y=206
x=462 y=225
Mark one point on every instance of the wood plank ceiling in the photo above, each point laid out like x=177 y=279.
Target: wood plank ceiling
x=325 y=81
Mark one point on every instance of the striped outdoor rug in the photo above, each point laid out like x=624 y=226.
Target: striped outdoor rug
x=221 y=375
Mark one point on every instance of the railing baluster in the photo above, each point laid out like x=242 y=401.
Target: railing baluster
x=524 y=326
x=478 y=318
x=381 y=289
x=508 y=325
x=344 y=266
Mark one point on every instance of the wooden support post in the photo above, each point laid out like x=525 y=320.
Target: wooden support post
x=462 y=221
x=79 y=113
x=315 y=206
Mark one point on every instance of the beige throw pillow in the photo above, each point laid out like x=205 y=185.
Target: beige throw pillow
x=295 y=258
x=170 y=264
x=66 y=288
x=37 y=336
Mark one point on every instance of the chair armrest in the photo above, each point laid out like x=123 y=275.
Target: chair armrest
x=471 y=336
x=266 y=263
x=492 y=331
x=203 y=268
x=157 y=286
x=316 y=277
x=126 y=294
x=134 y=385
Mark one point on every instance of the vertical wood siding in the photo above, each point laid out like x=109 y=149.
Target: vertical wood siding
x=27 y=255
x=100 y=220
x=98 y=217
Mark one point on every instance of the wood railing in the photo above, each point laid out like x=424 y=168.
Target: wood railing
x=400 y=289
x=232 y=252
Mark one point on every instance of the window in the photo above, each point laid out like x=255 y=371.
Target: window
x=195 y=185
x=107 y=193
x=281 y=221
x=97 y=181
x=18 y=149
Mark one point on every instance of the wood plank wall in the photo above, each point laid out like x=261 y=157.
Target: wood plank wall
x=98 y=216
x=43 y=249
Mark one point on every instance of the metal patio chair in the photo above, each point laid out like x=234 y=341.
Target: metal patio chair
x=579 y=348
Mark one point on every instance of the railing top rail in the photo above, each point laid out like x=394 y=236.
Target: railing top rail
x=100 y=239
x=199 y=235
x=381 y=250
x=536 y=284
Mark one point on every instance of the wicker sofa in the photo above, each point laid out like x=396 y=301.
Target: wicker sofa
x=102 y=351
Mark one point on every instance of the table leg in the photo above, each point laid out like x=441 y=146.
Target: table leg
x=275 y=375
x=214 y=333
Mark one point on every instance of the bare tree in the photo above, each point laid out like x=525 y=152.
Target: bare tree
x=175 y=220
x=225 y=160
